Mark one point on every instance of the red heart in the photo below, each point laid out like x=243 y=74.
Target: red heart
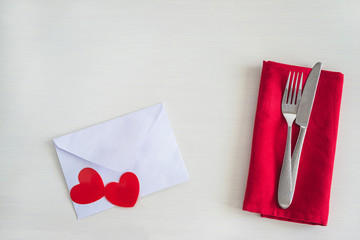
x=125 y=193
x=90 y=189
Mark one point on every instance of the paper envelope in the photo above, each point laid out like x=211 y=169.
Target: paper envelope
x=141 y=142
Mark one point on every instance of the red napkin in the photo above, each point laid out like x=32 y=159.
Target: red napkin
x=310 y=204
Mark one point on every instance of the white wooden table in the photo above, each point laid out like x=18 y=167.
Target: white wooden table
x=66 y=65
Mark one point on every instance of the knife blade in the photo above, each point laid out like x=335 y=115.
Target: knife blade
x=308 y=96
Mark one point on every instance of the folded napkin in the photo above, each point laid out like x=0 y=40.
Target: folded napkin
x=310 y=204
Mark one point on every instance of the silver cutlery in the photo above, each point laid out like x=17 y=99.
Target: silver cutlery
x=289 y=108
x=286 y=189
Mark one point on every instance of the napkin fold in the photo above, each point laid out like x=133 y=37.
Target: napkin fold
x=312 y=193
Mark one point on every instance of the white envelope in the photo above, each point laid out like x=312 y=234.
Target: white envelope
x=141 y=142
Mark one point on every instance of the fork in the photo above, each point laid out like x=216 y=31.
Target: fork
x=289 y=106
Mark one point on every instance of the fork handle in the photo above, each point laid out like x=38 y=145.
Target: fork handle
x=288 y=175
x=285 y=183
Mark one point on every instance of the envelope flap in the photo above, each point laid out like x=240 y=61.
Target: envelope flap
x=114 y=143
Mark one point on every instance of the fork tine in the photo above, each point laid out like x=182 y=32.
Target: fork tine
x=300 y=90
x=286 y=90
x=291 y=89
x=295 y=87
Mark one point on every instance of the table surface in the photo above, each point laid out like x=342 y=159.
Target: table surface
x=66 y=65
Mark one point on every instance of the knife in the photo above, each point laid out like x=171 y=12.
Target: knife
x=302 y=119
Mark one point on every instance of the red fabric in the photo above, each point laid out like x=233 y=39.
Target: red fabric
x=125 y=193
x=312 y=193
x=89 y=189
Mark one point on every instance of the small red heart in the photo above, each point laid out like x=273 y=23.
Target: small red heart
x=90 y=189
x=125 y=193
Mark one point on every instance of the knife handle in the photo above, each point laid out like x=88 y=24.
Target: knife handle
x=285 y=183
x=295 y=160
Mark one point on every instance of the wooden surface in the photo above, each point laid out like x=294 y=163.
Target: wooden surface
x=66 y=65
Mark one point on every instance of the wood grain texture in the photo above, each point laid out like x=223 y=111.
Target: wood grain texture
x=66 y=65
